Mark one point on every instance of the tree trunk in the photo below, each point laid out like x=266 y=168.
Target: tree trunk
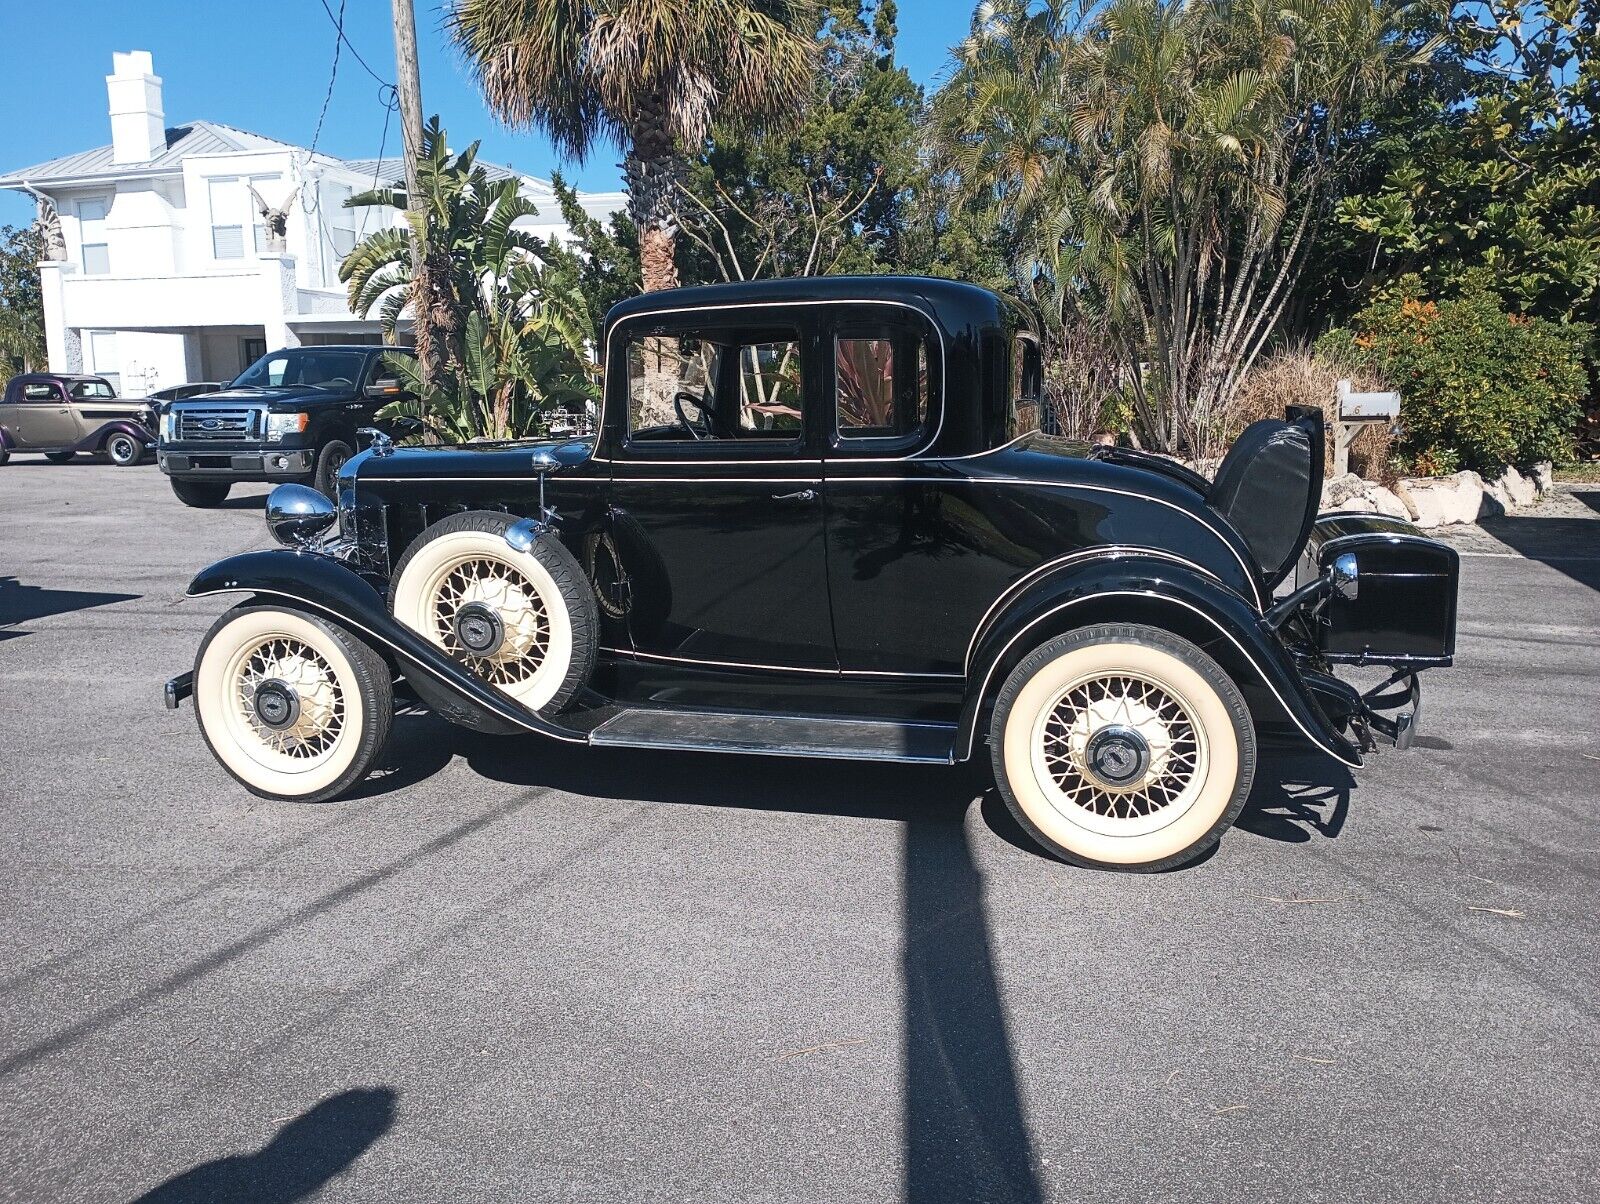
x=657 y=258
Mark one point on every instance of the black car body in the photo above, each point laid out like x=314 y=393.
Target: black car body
x=291 y=416
x=60 y=415
x=845 y=536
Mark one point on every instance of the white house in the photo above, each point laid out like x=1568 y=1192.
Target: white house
x=165 y=269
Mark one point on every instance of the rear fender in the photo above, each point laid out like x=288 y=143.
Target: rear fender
x=6 y=440
x=1160 y=593
x=319 y=584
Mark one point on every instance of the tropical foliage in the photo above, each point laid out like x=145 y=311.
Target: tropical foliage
x=1483 y=387
x=650 y=76
x=21 y=299
x=510 y=346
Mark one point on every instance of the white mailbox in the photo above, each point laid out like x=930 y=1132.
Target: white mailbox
x=1357 y=410
x=1367 y=407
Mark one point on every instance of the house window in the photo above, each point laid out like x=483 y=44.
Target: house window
x=341 y=223
x=229 y=208
x=103 y=357
x=92 y=231
x=268 y=188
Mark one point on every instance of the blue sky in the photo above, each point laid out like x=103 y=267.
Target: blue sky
x=264 y=67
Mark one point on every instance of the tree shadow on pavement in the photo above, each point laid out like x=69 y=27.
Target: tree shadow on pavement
x=297 y=1163
x=1568 y=545
x=21 y=603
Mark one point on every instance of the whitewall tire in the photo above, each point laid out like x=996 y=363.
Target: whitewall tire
x=525 y=622
x=1123 y=747
x=293 y=706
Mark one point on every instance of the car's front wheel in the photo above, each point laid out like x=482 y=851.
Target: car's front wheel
x=204 y=495
x=1123 y=747
x=123 y=450
x=293 y=706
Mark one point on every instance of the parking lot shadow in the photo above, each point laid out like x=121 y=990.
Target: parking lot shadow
x=297 y=1163
x=21 y=603
x=1568 y=545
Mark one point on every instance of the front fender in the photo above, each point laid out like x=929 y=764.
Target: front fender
x=1150 y=590
x=94 y=441
x=322 y=585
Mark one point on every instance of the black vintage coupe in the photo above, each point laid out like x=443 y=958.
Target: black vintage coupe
x=819 y=519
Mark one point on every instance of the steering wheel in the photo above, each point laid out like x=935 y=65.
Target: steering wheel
x=703 y=430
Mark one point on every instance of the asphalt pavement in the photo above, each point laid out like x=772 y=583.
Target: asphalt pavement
x=509 y=970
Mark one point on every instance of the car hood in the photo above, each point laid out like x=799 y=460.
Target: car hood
x=290 y=397
x=470 y=459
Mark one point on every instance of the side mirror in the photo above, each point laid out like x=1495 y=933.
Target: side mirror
x=387 y=389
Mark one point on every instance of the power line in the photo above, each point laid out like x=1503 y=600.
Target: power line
x=333 y=76
x=338 y=24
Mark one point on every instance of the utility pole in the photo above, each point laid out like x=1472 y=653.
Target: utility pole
x=408 y=87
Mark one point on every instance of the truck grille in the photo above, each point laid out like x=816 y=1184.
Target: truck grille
x=203 y=424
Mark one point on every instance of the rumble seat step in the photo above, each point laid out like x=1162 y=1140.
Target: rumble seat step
x=778 y=735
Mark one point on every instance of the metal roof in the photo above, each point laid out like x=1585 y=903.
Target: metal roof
x=193 y=138
x=392 y=170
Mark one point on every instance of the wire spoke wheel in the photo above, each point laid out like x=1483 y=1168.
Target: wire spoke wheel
x=486 y=584
x=285 y=672
x=1120 y=747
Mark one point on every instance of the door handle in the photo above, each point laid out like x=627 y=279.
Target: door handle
x=799 y=495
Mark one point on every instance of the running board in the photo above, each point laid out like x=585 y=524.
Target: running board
x=778 y=735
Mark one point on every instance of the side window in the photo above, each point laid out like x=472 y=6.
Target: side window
x=1027 y=385
x=880 y=382
x=40 y=392
x=718 y=384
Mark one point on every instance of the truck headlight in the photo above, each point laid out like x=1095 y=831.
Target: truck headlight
x=279 y=425
x=169 y=423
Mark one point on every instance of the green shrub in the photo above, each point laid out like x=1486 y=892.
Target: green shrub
x=1479 y=387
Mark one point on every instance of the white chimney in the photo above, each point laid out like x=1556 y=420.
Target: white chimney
x=138 y=126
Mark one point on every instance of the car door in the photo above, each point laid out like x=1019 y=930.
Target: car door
x=716 y=507
x=45 y=419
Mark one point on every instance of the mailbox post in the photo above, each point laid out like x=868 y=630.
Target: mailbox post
x=1357 y=410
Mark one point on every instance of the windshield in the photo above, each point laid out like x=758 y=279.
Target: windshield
x=304 y=366
x=93 y=390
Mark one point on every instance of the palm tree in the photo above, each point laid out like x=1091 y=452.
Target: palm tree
x=648 y=75
x=507 y=345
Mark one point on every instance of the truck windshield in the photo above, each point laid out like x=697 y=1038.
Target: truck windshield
x=305 y=366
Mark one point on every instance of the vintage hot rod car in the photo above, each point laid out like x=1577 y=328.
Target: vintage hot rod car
x=819 y=519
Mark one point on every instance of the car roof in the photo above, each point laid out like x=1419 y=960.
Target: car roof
x=951 y=303
x=27 y=376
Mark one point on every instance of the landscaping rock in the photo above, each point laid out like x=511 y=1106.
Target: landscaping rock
x=1349 y=493
x=1337 y=491
x=1441 y=501
x=1544 y=477
x=1518 y=489
x=1386 y=502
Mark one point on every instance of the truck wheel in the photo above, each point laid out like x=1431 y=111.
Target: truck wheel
x=59 y=457
x=204 y=495
x=293 y=706
x=1123 y=747
x=523 y=621
x=325 y=480
x=123 y=450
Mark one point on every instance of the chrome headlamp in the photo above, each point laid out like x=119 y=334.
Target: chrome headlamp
x=298 y=515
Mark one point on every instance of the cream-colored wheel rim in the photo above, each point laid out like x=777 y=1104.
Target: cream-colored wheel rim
x=294 y=657
x=1107 y=699
x=479 y=569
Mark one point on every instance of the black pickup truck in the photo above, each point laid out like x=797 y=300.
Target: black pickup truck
x=291 y=416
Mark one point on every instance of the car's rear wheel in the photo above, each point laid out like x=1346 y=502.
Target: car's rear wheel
x=59 y=457
x=204 y=495
x=123 y=450
x=525 y=622
x=294 y=707
x=1123 y=747
x=5 y=452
